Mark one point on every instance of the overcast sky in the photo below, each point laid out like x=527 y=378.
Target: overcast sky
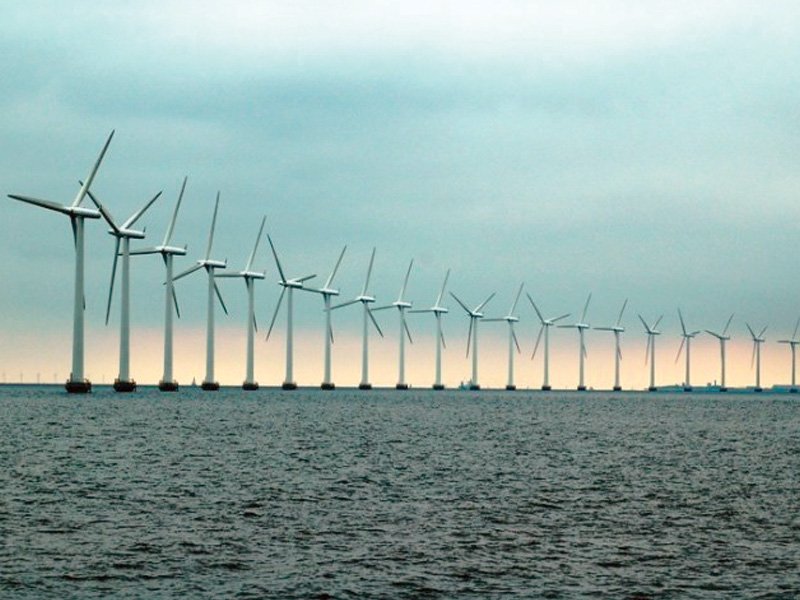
x=646 y=150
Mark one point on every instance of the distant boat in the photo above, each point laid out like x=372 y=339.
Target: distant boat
x=194 y=382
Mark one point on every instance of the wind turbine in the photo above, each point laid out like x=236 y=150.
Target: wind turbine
x=168 y=383
x=249 y=277
x=581 y=326
x=512 y=337
x=618 y=329
x=77 y=383
x=402 y=306
x=545 y=329
x=650 y=353
x=365 y=300
x=757 y=341
x=687 y=340
x=209 y=384
x=474 y=315
x=123 y=234
x=438 y=310
x=327 y=293
x=291 y=285
x=722 y=339
x=792 y=345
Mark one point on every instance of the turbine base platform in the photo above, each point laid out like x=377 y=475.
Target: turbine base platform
x=78 y=387
x=581 y=388
x=723 y=389
x=652 y=388
x=616 y=388
x=438 y=386
x=474 y=387
x=168 y=386
x=758 y=389
x=124 y=386
x=250 y=386
x=210 y=386
x=546 y=388
x=288 y=385
x=327 y=386
x=793 y=390
x=401 y=386
x=511 y=388
x=687 y=388
x=365 y=386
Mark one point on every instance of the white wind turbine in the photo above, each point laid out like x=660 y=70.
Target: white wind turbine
x=249 y=277
x=291 y=285
x=327 y=292
x=474 y=315
x=123 y=235
x=77 y=383
x=365 y=300
x=687 y=341
x=438 y=310
x=510 y=318
x=618 y=329
x=168 y=383
x=722 y=339
x=792 y=346
x=402 y=306
x=757 y=341
x=650 y=352
x=210 y=265
x=581 y=326
x=545 y=329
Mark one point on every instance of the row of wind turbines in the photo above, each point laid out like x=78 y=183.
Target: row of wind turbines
x=123 y=232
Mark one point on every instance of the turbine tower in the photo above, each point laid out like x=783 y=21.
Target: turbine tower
x=618 y=329
x=474 y=315
x=650 y=353
x=123 y=234
x=792 y=346
x=722 y=339
x=249 y=277
x=581 y=326
x=545 y=329
x=687 y=341
x=757 y=341
x=209 y=384
x=438 y=310
x=365 y=300
x=77 y=382
x=327 y=293
x=402 y=306
x=512 y=338
x=168 y=383
x=291 y=285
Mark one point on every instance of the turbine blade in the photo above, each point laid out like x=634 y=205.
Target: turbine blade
x=647 y=350
x=763 y=331
x=586 y=308
x=750 y=329
x=683 y=325
x=219 y=296
x=557 y=319
x=794 y=335
x=275 y=314
x=187 y=272
x=619 y=353
x=658 y=320
x=74 y=230
x=538 y=339
x=304 y=278
x=622 y=310
x=137 y=215
x=369 y=273
x=484 y=303
x=646 y=327
x=213 y=225
x=255 y=248
x=85 y=186
x=464 y=306
x=753 y=357
x=148 y=250
x=277 y=260
x=680 y=349
x=443 y=344
x=444 y=285
x=469 y=334
x=255 y=323
x=405 y=282
x=383 y=307
x=536 y=308
x=374 y=322
x=335 y=268
x=171 y=226
x=175 y=302
x=728 y=324
x=343 y=304
x=43 y=203
x=330 y=333
x=408 y=332
x=514 y=336
x=516 y=299
x=113 y=276
x=103 y=210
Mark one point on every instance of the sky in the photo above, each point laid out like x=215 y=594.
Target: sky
x=643 y=150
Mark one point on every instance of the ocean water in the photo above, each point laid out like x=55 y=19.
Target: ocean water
x=387 y=494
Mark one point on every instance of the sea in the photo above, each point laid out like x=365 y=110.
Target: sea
x=390 y=494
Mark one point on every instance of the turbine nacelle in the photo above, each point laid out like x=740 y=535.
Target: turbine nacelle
x=127 y=233
x=401 y=304
x=212 y=264
x=174 y=250
x=365 y=299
